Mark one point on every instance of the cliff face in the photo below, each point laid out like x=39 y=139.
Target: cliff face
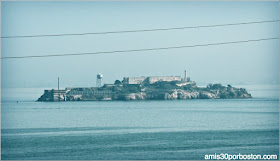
x=157 y=91
x=183 y=94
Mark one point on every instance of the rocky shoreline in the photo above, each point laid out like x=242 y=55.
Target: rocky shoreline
x=181 y=95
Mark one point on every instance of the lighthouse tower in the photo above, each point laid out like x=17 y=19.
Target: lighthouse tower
x=185 y=77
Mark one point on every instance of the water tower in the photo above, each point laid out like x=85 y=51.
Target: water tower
x=99 y=80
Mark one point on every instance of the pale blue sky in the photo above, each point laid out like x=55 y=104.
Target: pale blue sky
x=252 y=63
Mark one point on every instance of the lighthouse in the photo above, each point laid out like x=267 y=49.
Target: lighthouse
x=185 y=77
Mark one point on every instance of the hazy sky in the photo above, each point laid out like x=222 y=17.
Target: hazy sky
x=253 y=63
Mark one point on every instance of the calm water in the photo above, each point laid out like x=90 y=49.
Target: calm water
x=182 y=129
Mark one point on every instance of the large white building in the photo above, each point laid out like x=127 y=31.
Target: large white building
x=150 y=80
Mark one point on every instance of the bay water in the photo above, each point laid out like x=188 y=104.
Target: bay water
x=138 y=130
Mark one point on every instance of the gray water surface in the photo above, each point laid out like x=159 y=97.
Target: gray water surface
x=179 y=129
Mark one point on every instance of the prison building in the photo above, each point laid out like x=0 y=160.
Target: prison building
x=154 y=79
x=89 y=92
x=133 y=80
x=150 y=80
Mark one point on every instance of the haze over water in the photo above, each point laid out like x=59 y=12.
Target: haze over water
x=181 y=129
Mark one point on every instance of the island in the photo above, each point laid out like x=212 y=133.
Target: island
x=145 y=88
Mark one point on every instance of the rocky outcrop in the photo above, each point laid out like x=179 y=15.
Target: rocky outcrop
x=182 y=96
x=135 y=96
x=207 y=95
